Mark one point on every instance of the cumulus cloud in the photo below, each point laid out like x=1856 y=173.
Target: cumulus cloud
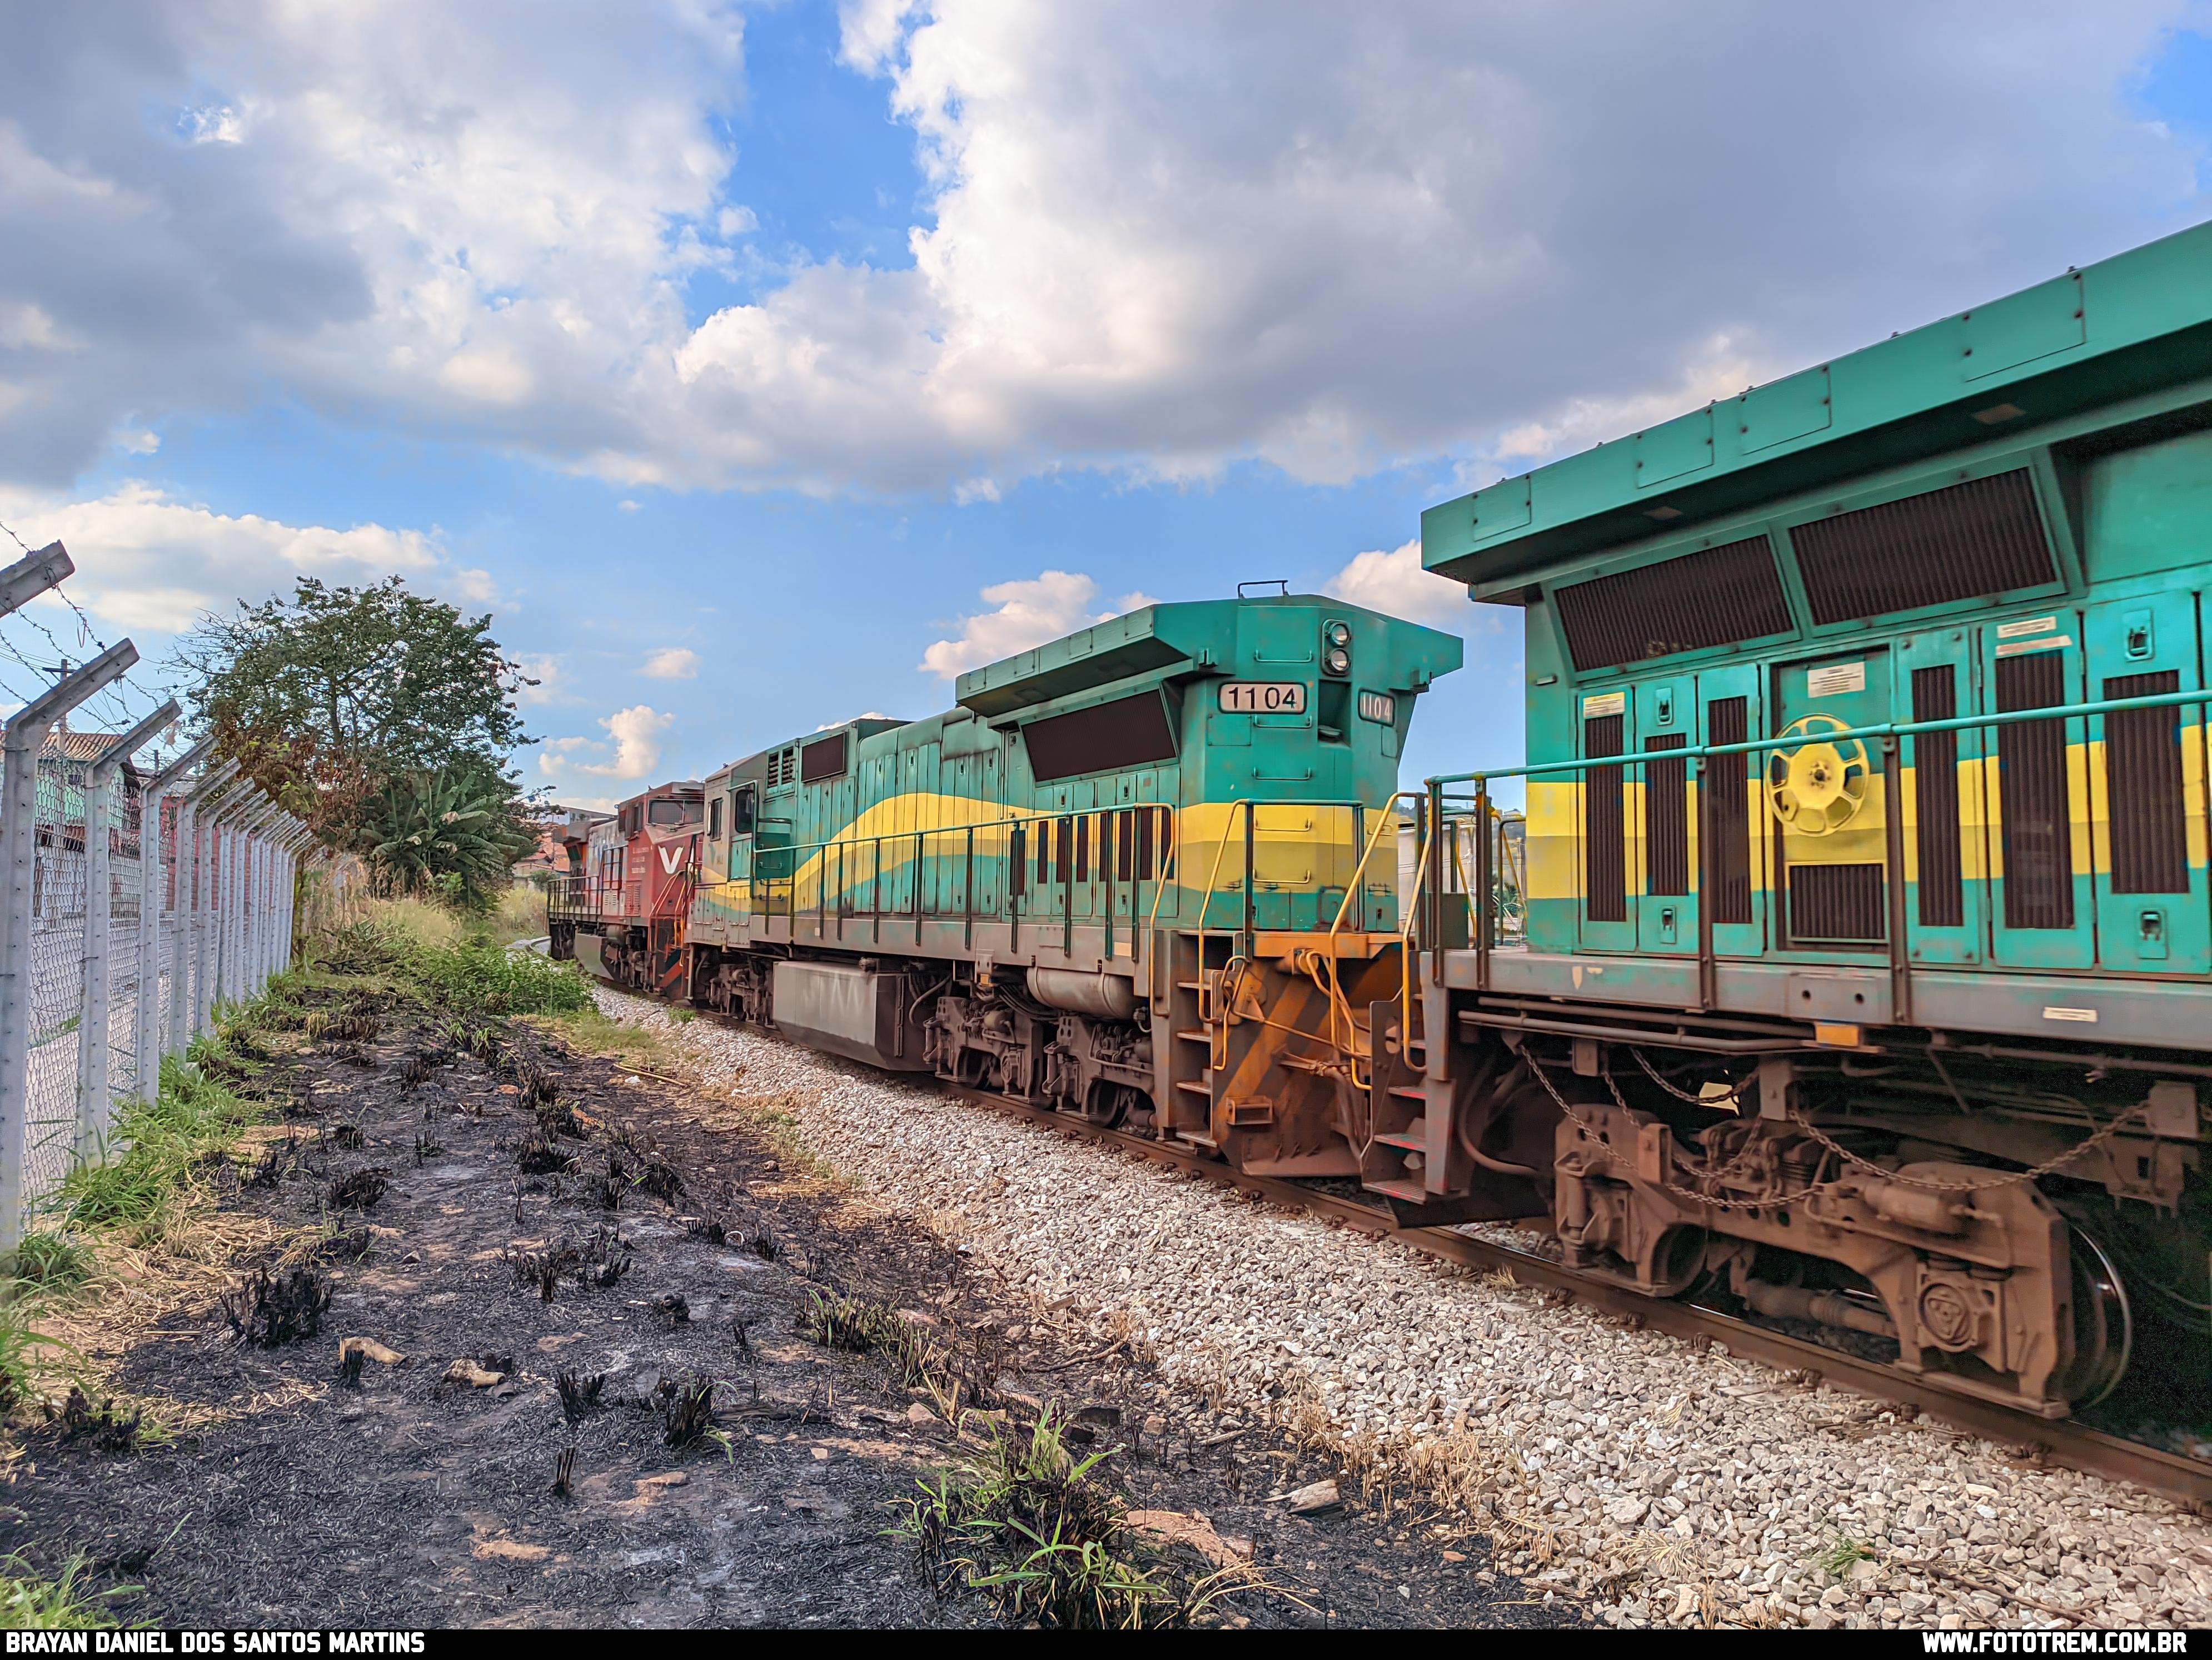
x=1027 y=613
x=149 y=562
x=1156 y=238
x=675 y=663
x=631 y=748
x=1395 y=584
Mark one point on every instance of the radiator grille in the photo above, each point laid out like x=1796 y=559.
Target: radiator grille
x=2142 y=783
x=1836 y=903
x=1712 y=598
x=1667 y=820
x=1728 y=815
x=1936 y=782
x=2038 y=840
x=1605 y=850
x=1979 y=538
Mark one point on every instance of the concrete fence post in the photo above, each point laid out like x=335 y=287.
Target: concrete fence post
x=212 y=796
x=19 y=806
x=95 y=1106
x=151 y=892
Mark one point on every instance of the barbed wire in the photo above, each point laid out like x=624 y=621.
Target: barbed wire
x=108 y=703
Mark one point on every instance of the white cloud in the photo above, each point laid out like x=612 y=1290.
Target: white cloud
x=633 y=735
x=871 y=715
x=1156 y=238
x=1395 y=584
x=1029 y=613
x=675 y=663
x=547 y=671
x=627 y=506
x=149 y=562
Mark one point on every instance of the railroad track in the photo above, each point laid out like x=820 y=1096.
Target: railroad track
x=2056 y=1441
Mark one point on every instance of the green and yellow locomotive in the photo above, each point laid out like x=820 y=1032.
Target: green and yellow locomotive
x=1864 y=979
x=1146 y=872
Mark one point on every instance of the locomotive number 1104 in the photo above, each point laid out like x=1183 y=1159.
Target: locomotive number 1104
x=1263 y=697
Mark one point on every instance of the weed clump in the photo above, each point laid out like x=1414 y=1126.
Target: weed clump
x=30 y=1602
x=1042 y=1537
x=265 y=1313
x=687 y=1410
x=166 y=1146
x=55 y=1261
x=106 y=1429
x=357 y=1189
x=579 y=1395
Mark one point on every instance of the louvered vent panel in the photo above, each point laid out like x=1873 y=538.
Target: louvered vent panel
x=1667 y=820
x=1935 y=777
x=2039 y=838
x=1980 y=538
x=2142 y=770
x=1728 y=721
x=1605 y=830
x=1836 y=903
x=1714 y=597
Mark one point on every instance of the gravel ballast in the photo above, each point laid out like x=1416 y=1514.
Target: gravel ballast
x=1661 y=1485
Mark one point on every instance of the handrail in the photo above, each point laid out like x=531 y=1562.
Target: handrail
x=2164 y=700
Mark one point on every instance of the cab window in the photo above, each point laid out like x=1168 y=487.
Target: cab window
x=743 y=809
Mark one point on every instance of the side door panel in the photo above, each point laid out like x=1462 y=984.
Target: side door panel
x=1606 y=879
x=2042 y=901
x=1731 y=711
x=1665 y=850
x=1946 y=831
x=2147 y=787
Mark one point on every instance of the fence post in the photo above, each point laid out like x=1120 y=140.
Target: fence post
x=253 y=848
x=151 y=956
x=19 y=794
x=220 y=793
x=95 y=1107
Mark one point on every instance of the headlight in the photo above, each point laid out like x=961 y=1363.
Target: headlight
x=1339 y=660
x=1340 y=634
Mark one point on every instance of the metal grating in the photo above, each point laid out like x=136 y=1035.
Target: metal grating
x=2039 y=838
x=1837 y=904
x=1130 y=732
x=1727 y=720
x=2142 y=783
x=1713 y=597
x=822 y=759
x=1666 y=820
x=1605 y=830
x=1941 y=883
x=1983 y=537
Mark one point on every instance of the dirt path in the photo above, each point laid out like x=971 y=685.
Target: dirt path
x=423 y=1494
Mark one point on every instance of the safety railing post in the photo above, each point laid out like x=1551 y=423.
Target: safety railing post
x=19 y=798
x=94 y=1104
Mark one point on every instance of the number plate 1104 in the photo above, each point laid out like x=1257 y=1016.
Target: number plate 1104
x=1263 y=697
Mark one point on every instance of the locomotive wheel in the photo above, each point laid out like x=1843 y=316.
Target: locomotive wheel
x=2103 y=1324
x=1108 y=1105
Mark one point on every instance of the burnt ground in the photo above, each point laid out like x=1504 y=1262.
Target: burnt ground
x=412 y=1499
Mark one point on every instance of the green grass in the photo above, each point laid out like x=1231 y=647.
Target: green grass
x=157 y=1151
x=51 y=1259
x=1040 y=1534
x=30 y=1602
x=1840 y=1555
x=478 y=977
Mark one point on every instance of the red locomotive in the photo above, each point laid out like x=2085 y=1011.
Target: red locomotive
x=622 y=917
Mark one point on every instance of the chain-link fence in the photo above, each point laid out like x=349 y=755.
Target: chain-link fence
x=133 y=903
x=154 y=898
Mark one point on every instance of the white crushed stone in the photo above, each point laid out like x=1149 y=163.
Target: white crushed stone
x=1665 y=1476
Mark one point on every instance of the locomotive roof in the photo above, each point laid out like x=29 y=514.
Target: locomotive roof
x=1195 y=635
x=2137 y=323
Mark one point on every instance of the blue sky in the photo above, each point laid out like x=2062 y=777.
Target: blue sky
x=728 y=354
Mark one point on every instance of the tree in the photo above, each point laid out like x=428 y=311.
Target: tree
x=364 y=709
x=453 y=833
